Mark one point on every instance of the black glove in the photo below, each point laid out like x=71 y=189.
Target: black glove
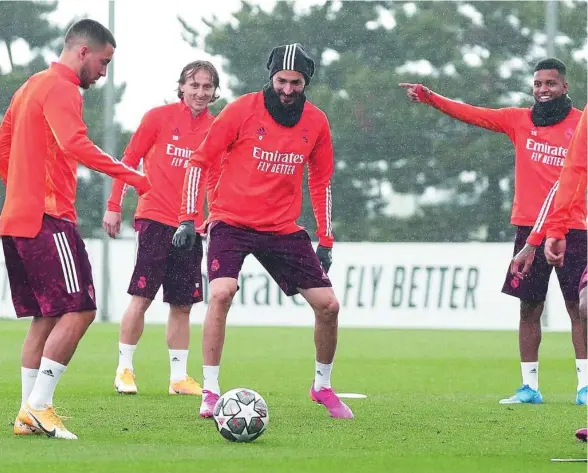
x=325 y=256
x=185 y=235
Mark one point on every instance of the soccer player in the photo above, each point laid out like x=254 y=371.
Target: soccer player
x=42 y=139
x=165 y=139
x=268 y=136
x=541 y=136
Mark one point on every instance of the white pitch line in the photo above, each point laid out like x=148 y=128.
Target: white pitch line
x=351 y=395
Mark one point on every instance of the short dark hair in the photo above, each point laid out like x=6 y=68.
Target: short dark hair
x=91 y=31
x=192 y=68
x=551 y=63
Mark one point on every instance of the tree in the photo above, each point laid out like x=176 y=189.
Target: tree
x=27 y=20
x=381 y=140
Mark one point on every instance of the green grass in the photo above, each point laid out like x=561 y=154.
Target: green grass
x=431 y=406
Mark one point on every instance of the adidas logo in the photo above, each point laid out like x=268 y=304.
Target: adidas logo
x=578 y=370
x=175 y=358
x=48 y=373
x=261 y=133
x=534 y=371
x=319 y=373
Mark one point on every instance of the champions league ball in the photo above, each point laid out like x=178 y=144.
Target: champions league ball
x=241 y=415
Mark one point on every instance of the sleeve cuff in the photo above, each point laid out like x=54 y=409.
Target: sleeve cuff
x=326 y=241
x=557 y=234
x=112 y=207
x=535 y=239
x=185 y=218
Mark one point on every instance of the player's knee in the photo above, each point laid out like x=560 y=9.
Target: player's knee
x=328 y=309
x=531 y=310
x=180 y=310
x=139 y=305
x=222 y=295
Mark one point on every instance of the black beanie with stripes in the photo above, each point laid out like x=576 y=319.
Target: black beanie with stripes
x=291 y=57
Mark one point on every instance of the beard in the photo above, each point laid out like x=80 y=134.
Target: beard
x=85 y=80
x=286 y=114
x=551 y=112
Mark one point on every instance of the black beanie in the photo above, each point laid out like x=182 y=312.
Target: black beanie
x=291 y=57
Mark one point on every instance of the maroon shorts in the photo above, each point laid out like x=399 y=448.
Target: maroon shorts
x=289 y=259
x=160 y=263
x=534 y=286
x=583 y=280
x=50 y=274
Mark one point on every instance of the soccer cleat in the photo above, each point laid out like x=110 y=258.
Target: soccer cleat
x=186 y=386
x=327 y=397
x=581 y=397
x=208 y=402
x=524 y=395
x=124 y=382
x=23 y=425
x=48 y=422
x=581 y=434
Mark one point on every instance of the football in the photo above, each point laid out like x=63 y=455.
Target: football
x=241 y=415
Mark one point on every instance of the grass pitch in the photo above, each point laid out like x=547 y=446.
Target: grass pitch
x=432 y=406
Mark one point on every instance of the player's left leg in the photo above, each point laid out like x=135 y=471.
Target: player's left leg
x=32 y=352
x=178 y=343
x=293 y=264
x=570 y=276
x=182 y=287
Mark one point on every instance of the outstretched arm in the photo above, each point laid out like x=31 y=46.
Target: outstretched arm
x=494 y=119
x=63 y=112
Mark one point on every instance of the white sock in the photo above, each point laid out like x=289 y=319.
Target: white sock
x=582 y=372
x=178 y=363
x=530 y=372
x=210 y=379
x=125 y=357
x=28 y=377
x=322 y=375
x=49 y=374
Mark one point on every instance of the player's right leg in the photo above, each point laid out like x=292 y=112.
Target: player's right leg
x=531 y=291
x=222 y=291
x=153 y=242
x=131 y=329
x=60 y=277
x=227 y=248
